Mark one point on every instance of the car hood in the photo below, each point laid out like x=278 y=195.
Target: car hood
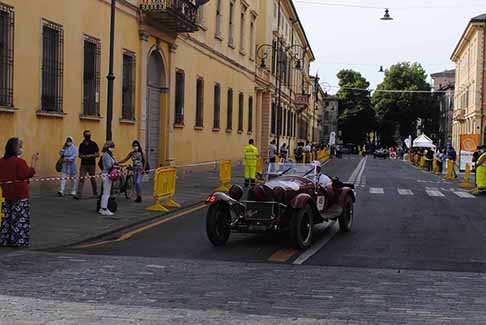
x=291 y=183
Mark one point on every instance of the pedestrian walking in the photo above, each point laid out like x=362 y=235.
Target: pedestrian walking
x=68 y=154
x=88 y=152
x=14 y=180
x=250 y=162
x=452 y=155
x=139 y=166
x=272 y=152
x=299 y=153
x=307 y=152
x=283 y=152
x=107 y=163
x=439 y=157
x=429 y=159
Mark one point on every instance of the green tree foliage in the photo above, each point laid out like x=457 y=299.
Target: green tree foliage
x=399 y=112
x=356 y=114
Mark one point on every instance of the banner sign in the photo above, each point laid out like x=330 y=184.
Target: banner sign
x=469 y=142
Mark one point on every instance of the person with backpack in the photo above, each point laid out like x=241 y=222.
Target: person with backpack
x=68 y=155
x=139 y=165
x=107 y=164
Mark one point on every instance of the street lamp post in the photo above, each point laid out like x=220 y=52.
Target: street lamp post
x=111 y=76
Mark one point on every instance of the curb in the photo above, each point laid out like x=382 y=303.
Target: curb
x=116 y=230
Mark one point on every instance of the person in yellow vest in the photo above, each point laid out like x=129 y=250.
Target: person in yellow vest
x=481 y=170
x=250 y=162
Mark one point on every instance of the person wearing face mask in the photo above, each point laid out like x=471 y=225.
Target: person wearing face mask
x=68 y=153
x=88 y=152
x=107 y=163
x=14 y=180
x=139 y=166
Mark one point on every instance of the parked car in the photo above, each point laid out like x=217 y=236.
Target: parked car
x=289 y=200
x=381 y=153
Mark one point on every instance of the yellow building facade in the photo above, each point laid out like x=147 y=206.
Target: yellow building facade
x=43 y=97
x=190 y=84
x=470 y=87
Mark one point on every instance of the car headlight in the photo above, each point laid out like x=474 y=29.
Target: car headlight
x=278 y=194
x=236 y=192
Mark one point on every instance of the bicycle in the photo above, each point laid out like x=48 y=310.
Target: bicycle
x=125 y=184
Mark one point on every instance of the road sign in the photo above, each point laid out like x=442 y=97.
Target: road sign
x=393 y=155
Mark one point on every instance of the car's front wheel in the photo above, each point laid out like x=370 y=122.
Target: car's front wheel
x=301 y=227
x=218 y=223
x=347 y=217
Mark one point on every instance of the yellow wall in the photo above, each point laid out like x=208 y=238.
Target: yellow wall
x=47 y=134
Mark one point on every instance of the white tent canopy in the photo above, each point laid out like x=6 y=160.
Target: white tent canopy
x=423 y=141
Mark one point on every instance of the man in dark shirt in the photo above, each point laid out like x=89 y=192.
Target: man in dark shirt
x=88 y=152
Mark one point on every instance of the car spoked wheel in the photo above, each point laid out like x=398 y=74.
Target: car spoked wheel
x=301 y=227
x=218 y=223
x=347 y=217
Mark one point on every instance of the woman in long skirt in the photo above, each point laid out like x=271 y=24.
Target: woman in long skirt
x=14 y=180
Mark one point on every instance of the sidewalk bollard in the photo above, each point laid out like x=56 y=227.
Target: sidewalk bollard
x=450 y=170
x=434 y=167
x=422 y=163
x=2 y=200
x=164 y=189
x=467 y=176
x=224 y=176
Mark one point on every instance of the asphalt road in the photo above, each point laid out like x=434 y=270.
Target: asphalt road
x=404 y=219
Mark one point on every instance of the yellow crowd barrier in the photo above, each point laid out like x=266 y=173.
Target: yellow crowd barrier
x=422 y=163
x=450 y=170
x=467 y=176
x=164 y=189
x=2 y=199
x=225 y=176
x=259 y=165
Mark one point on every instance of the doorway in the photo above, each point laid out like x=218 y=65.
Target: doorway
x=155 y=85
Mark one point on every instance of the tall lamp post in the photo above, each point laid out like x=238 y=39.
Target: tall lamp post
x=111 y=76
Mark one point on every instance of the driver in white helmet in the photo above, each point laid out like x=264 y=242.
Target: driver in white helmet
x=319 y=178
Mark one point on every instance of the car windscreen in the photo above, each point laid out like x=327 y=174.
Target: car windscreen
x=290 y=169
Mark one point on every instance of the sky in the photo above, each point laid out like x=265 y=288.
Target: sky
x=355 y=38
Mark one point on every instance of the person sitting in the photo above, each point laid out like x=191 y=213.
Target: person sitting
x=319 y=178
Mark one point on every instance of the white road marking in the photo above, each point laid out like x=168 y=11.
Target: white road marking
x=354 y=174
x=432 y=188
x=332 y=229
x=154 y=266
x=376 y=190
x=434 y=193
x=360 y=176
x=403 y=191
x=464 y=195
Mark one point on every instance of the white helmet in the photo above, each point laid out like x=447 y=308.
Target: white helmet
x=316 y=163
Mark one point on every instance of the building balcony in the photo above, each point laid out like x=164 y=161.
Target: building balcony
x=177 y=16
x=459 y=114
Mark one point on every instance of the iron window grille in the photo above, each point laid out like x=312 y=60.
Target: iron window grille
x=200 y=102
x=7 y=19
x=250 y=114
x=52 y=67
x=179 y=100
x=217 y=106
x=240 y=111
x=128 y=86
x=229 y=117
x=91 y=76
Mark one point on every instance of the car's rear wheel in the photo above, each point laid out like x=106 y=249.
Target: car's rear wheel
x=347 y=217
x=218 y=223
x=301 y=226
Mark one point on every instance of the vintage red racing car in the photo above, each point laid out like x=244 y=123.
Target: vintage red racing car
x=289 y=200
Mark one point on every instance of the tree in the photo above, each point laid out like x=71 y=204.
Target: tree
x=356 y=114
x=398 y=112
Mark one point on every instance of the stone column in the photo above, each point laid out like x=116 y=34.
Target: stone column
x=171 y=112
x=144 y=47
